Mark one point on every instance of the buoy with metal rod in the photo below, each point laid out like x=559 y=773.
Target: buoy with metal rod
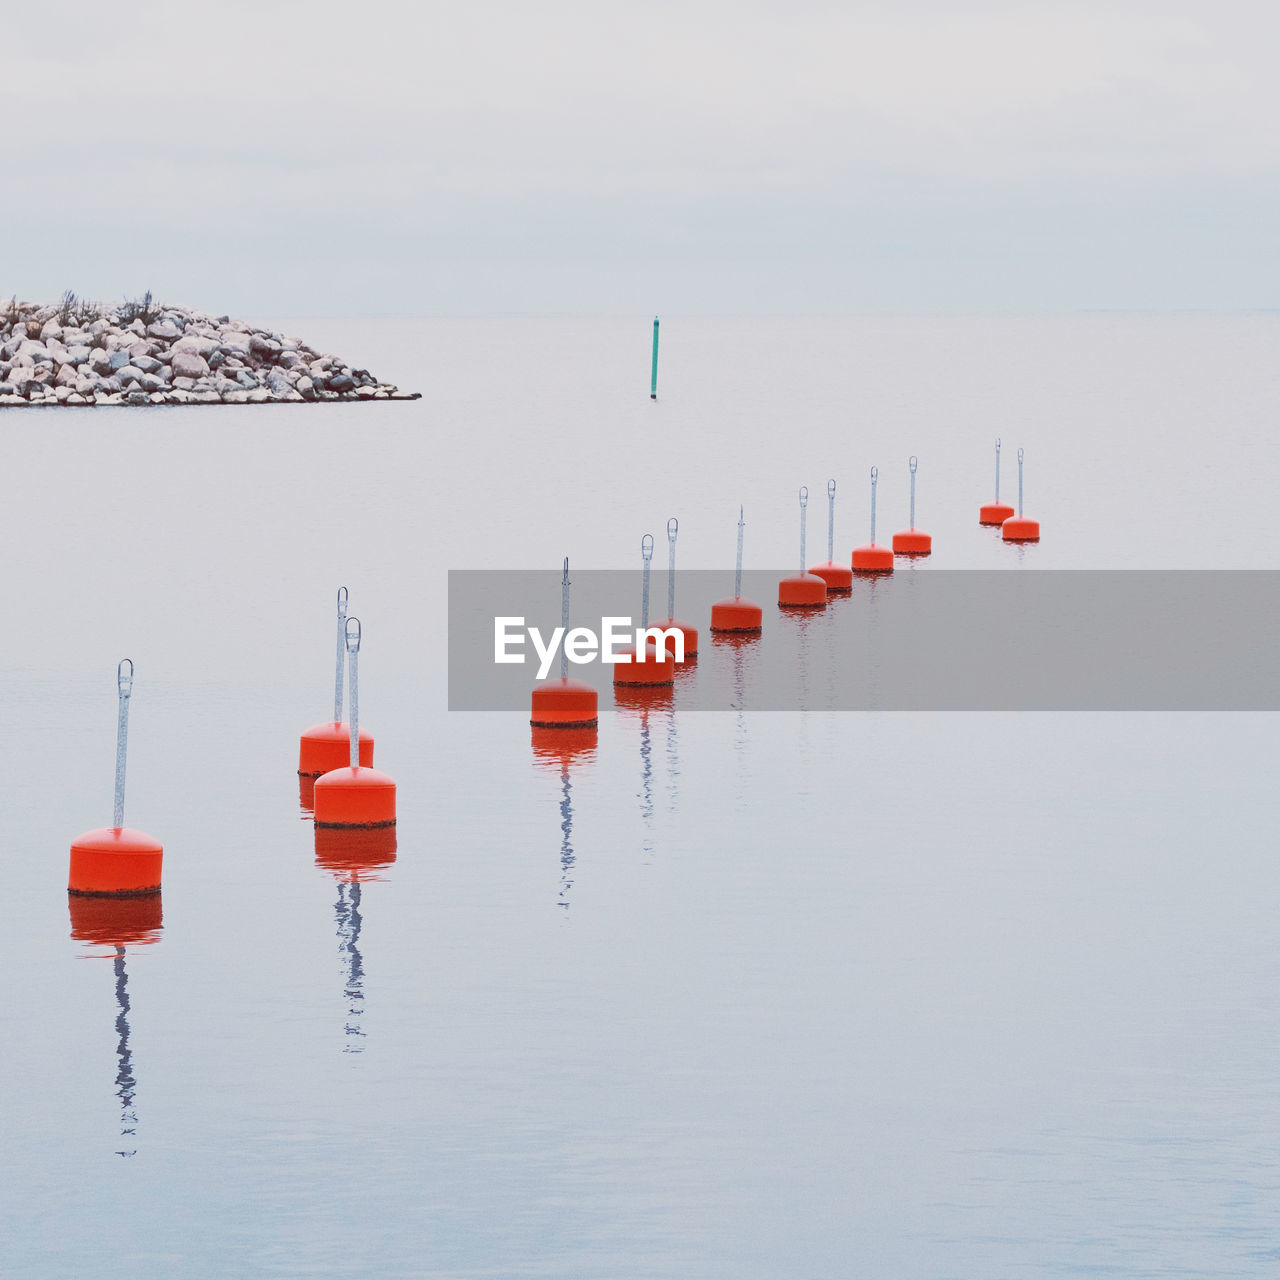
x=653 y=376
x=324 y=746
x=117 y=861
x=649 y=663
x=806 y=590
x=354 y=797
x=838 y=577
x=996 y=512
x=564 y=704
x=912 y=541
x=737 y=616
x=671 y=622
x=1019 y=528
x=872 y=558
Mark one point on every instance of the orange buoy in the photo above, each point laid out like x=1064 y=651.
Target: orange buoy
x=355 y=796
x=325 y=746
x=912 y=541
x=997 y=512
x=1020 y=528
x=838 y=577
x=564 y=704
x=306 y=795
x=117 y=861
x=116 y=922
x=738 y=616
x=645 y=664
x=871 y=559
x=688 y=633
x=653 y=666
x=805 y=590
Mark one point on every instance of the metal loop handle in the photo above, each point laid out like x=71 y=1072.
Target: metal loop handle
x=875 y=471
x=646 y=547
x=913 y=464
x=804 y=496
x=342 y=602
x=673 y=528
x=1020 y=455
x=124 y=679
x=353 y=635
x=831 y=488
x=997 y=444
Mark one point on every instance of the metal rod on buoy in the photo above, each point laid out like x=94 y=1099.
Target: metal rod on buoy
x=653 y=377
x=646 y=551
x=996 y=512
x=124 y=682
x=997 y=469
x=1019 y=483
x=673 y=528
x=804 y=517
x=737 y=573
x=874 y=473
x=912 y=464
x=831 y=521
x=353 y=650
x=342 y=649
x=912 y=541
x=564 y=620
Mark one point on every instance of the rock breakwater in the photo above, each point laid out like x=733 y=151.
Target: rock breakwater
x=75 y=353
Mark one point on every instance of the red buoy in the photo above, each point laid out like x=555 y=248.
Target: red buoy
x=805 y=590
x=646 y=664
x=654 y=666
x=996 y=512
x=1019 y=528
x=117 y=861
x=688 y=633
x=738 y=616
x=838 y=577
x=354 y=796
x=912 y=541
x=564 y=704
x=326 y=746
x=871 y=558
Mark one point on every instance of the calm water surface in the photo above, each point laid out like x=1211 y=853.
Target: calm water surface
x=772 y=995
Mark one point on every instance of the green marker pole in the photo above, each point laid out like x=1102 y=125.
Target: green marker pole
x=653 y=380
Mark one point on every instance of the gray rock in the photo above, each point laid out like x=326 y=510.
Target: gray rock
x=118 y=359
x=165 y=329
x=136 y=397
x=60 y=394
x=149 y=382
x=258 y=396
x=148 y=364
x=141 y=349
x=76 y=398
x=306 y=388
x=87 y=386
x=262 y=347
x=278 y=384
x=187 y=364
x=196 y=344
x=185 y=385
x=80 y=355
x=67 y=376
x=136 y=326
x=50 y=329
x=100 y=360
x=128 y=373
x=340 y=382
x=237 y=396
x=158 y=397
x=216 y=358
x=36 y=351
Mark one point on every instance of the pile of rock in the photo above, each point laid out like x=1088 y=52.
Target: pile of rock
x=78 y=354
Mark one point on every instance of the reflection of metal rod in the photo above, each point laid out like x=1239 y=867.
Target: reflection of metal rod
x=646 y=769
x=125 y=1082
x=347 y=913
x=566 y=828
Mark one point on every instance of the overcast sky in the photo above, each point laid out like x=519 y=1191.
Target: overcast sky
x=373 y=157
